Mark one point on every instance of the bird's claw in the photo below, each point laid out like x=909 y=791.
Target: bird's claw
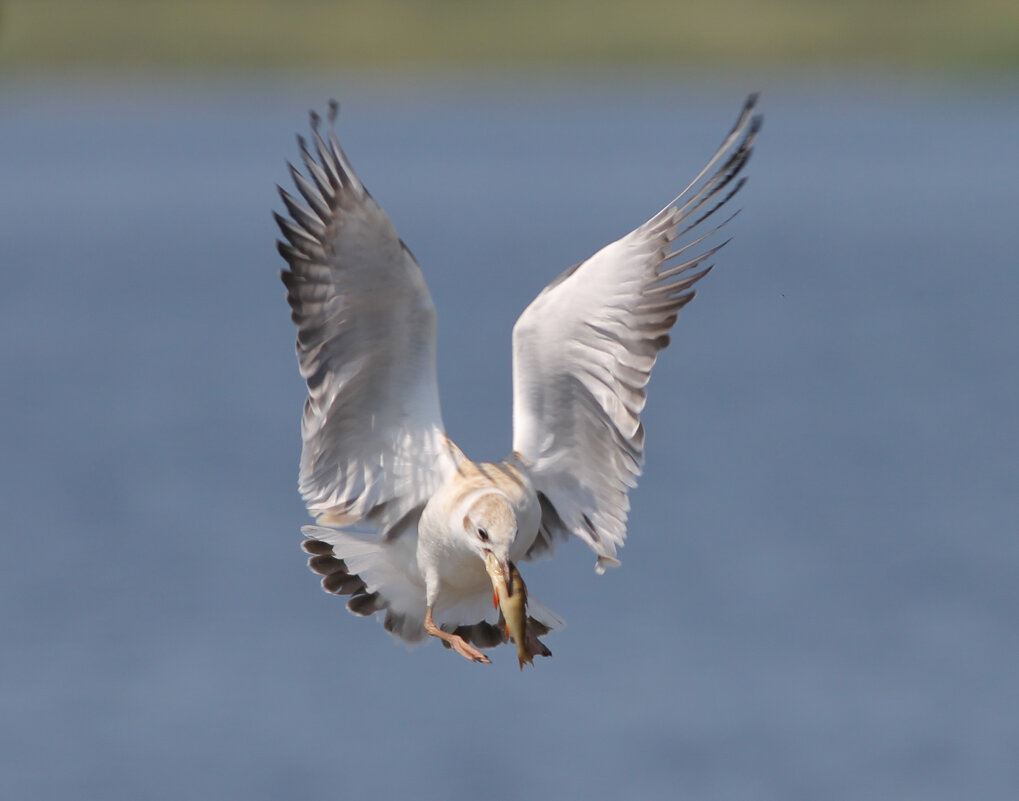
x=468 y=651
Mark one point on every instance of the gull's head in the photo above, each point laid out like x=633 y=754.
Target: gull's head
x=491 y=527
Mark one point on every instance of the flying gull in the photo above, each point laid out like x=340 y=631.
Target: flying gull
x=405 y=524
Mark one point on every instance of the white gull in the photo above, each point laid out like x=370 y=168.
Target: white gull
x=405 y=523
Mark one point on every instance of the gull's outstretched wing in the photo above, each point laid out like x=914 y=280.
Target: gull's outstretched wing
x=583 y=352
x=374 y=443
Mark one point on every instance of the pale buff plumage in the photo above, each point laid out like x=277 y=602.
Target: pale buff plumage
x=405 y=523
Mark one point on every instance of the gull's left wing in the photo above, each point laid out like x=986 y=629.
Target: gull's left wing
x=374 y=445
x=583 y=352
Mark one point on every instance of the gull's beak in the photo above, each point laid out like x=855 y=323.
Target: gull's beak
x=500 y=574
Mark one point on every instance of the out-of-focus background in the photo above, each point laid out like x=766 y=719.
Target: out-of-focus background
x=819 y=597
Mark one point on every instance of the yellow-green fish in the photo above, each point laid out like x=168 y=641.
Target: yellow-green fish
x=514 y=611
x=510 y=597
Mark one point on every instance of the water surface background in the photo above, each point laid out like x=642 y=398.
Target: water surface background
x=819 y=596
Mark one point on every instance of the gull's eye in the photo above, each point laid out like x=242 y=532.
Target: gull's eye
x=483 y=534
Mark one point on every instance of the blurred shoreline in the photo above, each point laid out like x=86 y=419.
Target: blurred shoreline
x=436 y=36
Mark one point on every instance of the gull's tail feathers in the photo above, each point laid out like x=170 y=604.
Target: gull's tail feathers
x=380 y=577
x=544 y=617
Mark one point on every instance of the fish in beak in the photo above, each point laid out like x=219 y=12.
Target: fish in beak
x=510 y=596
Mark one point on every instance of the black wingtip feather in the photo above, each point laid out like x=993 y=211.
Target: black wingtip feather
x=290 y=254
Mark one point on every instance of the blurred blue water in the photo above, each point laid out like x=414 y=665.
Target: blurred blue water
x=819 y=598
